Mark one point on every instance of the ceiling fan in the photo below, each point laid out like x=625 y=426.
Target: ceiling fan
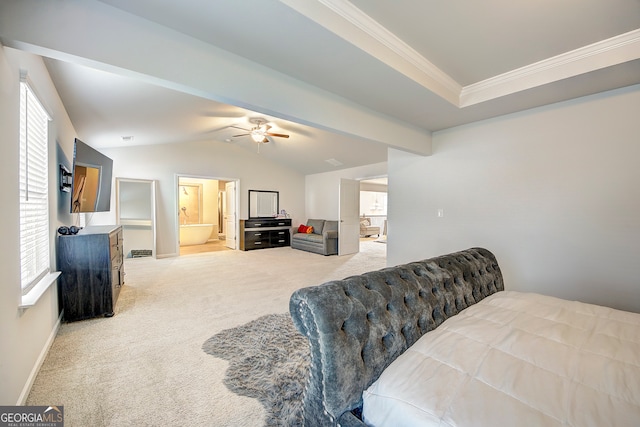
x=260 y=132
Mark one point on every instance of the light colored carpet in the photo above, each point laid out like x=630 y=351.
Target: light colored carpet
x=145 y=366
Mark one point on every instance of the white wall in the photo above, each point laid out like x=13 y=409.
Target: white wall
x=554 y=192
x=211 y=159
x=25 y=335
x=183 y=63
x=323 y=189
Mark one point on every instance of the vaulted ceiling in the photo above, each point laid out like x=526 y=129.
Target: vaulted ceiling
x=399 y=70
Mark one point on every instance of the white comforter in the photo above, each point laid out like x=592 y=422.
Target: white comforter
x=516 y=359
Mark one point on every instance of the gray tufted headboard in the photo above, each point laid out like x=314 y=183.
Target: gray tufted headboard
x=357 y=326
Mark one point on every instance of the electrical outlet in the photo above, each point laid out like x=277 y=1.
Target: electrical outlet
x=440 y=213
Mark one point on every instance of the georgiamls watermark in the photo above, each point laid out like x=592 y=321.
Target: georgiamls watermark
x=31 y=416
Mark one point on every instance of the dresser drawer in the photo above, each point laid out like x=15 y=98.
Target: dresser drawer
x=115 y=248
x=256 y=236
x=282 y=223
x=256 y=239
x=267 y=222
x=280 y=238
x=257 y=223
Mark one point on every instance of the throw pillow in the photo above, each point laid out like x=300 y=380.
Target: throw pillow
x=309 y=229
x=302 y=228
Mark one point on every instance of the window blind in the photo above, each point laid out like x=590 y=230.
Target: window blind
x=34 y=203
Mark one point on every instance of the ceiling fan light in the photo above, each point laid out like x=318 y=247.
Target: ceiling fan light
x=257 y=136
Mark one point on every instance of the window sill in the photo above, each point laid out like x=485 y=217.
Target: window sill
x=31 y=298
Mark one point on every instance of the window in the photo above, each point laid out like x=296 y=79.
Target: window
x=34 y=201
x=373 y=203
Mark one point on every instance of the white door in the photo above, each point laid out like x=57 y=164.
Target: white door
x=230 y=214
x=349 y=226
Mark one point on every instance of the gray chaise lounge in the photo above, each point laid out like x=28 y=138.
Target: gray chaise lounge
x=323 y=240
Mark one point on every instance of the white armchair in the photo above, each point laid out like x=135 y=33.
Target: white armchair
x=366 y=229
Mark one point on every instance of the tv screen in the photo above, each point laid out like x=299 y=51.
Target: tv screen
x=91 y=181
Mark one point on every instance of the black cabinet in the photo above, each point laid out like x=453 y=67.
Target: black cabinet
x=264 y=233
x=92 y=273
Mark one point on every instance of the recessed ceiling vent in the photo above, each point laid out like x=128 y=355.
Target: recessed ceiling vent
x=334 y=162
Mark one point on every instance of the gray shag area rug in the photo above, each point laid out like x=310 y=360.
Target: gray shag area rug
x=269 y=361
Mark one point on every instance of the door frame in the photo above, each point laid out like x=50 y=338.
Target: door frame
x=235 y=214
x=176 y=199
x=348 y=227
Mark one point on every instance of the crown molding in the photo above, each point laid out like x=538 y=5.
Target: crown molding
x=347 y=21
x=385 y=37
x=606 y=53
x=350 y=23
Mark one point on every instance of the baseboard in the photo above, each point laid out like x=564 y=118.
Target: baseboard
x=160 y=256
x=36 y=368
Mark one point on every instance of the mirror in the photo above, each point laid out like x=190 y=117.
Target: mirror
x=263 y=204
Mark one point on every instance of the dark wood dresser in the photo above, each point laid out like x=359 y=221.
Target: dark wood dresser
x=92 y=273
x=264 y=233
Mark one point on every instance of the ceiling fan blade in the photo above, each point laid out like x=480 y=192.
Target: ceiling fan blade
x=242 y=134
x=238 y=127
x=281 y=135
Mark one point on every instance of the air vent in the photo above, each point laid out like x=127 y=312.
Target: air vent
x=334 y=162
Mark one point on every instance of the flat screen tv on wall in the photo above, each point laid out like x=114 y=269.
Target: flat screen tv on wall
x=91 y=179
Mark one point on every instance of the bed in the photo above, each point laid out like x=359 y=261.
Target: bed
x=440 y=342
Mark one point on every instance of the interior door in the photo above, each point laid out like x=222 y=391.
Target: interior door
x=230 y=214
x=349 y=226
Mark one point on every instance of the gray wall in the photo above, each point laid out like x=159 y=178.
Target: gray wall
x=554 y=192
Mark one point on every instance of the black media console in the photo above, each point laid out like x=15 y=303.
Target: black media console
x=264 y=233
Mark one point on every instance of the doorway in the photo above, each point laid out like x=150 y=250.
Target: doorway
x=204 y=207
x=373 y=209
x=136 y=213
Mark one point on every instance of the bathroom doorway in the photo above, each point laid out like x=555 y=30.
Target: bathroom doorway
x=202 y=207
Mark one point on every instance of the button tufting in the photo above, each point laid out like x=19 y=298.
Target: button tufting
x=430 y=297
